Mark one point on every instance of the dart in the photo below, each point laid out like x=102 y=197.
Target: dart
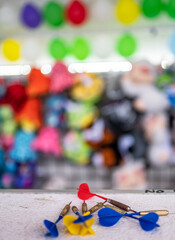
x=84 y=194
x=142 y=213
x=81 y=219
x=109 y=217
x=84 y=207
x=81 y=225
x=87 y=229
x=51 y=227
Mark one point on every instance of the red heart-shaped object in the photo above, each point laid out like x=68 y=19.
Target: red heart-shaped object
x=84 y=192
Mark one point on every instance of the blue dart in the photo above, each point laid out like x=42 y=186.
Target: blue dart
x=51 y=226
x=109 y=217
x=80 y=219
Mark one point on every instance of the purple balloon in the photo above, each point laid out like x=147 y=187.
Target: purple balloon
x=31 y=16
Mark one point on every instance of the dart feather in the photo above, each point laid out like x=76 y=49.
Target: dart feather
x=84 y=192
x=83 y=219
x=73 y=228
x=109 y=217
x=51 y=227
x=87 y=230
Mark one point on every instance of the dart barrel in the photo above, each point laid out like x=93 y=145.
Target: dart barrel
x=159 y=212
x=65 y=210
x=75 y=209
x=119 y=205
x=96 y=207
x=84 y=207
x=114 y=208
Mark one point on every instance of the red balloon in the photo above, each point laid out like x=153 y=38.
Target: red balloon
x=76 y=12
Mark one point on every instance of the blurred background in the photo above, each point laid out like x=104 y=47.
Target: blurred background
x=87 y=94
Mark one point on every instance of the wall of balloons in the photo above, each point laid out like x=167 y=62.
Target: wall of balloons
x=76 y=14
x=125 y=45
x=56 y=13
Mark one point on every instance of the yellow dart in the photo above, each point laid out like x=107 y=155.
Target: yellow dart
x=73 y=228
x=87 y=230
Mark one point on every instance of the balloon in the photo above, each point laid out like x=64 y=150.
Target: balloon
x=101 y=10
x=127 y=11
x=76 y=12
x=53 y=13
x=31 y=49
x=170 y=7
x=80 y=48
x=126 y=45
x=102 y=46
x=8 y=16
x=11 y=49
x=151 y=8
x=31 y=15
x=58 y=48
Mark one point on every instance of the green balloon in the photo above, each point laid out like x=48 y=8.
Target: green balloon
x=58 y=48
x=126 y=45
x=170 y=8
x=53 y=13
x=151 y=8
x=80 y=48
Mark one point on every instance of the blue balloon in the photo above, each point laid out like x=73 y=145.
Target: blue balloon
x=22 y=151
x=31 y=16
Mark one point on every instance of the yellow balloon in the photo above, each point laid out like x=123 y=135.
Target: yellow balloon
x=11 y=49
x=127 y=11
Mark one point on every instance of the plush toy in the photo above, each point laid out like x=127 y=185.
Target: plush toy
x=29 y=116
x=130 y=176
x=102 y=141
x=139 y=84
x=48 y=141
x=25 y=176
x=75 y=148
x=2 y=87
x=8 y=124
x=55 y=108
x=15 y=96
x=88 y=89
x=22 y=151
x=39 y=83
x=80 y=115
x=61 y=78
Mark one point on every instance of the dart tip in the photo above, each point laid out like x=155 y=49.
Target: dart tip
x=84 y=201
x=70 y=203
